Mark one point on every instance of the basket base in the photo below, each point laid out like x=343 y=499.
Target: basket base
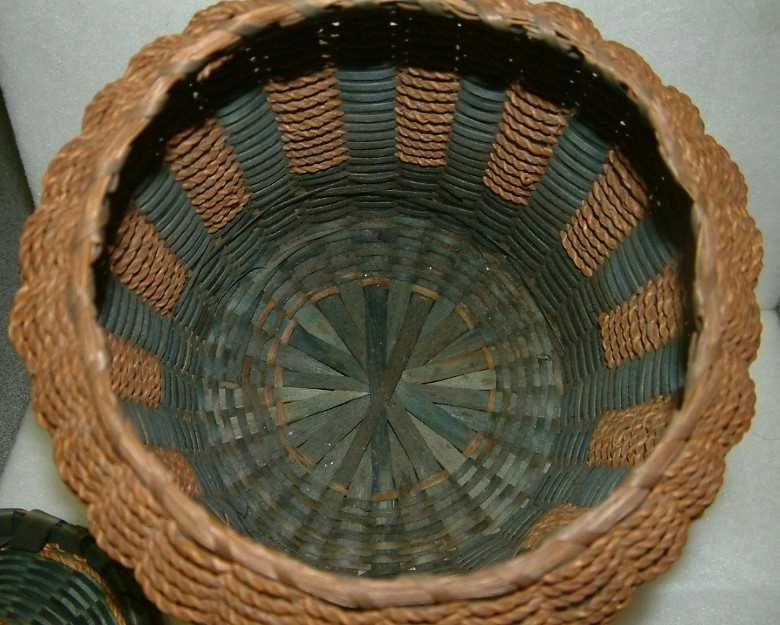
x=386 y=395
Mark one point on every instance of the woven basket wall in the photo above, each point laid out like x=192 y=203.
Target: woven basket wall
x=53 y=573
x=391 y=313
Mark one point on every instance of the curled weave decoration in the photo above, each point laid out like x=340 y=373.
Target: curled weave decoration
x=391 y=312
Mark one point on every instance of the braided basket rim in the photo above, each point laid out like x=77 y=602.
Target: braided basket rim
x=694 y=158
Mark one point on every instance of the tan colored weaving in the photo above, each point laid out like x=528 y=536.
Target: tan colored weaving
x=329 y=330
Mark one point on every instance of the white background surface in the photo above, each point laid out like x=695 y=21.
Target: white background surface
x=56 y=54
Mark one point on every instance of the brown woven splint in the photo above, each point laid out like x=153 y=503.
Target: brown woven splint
x=391 y=313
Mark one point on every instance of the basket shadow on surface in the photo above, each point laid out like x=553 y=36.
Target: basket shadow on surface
x=398 y=294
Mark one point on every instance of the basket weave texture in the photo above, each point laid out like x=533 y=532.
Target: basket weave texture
x=391 y=313
x=53 y=573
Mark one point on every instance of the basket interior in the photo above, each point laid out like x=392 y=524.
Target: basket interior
x=395 y=292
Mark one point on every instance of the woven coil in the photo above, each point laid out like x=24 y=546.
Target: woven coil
x=391 y=313
x=54 y=573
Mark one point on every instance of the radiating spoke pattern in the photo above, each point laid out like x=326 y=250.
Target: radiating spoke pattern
x=389 y=335
x=362 y=403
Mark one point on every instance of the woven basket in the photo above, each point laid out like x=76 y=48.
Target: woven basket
x=53 y=573
x=387 y=312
